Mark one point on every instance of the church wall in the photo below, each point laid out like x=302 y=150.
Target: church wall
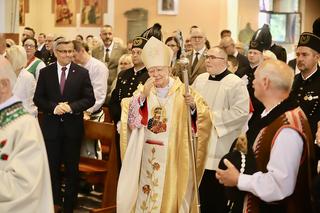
x=208 y=14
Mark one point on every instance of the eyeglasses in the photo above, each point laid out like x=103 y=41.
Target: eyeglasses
x=212 y=57
x=197 y=37
x=65 y=51
x=29 y=46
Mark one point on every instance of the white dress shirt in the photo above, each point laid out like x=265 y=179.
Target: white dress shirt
x=24 y=89
x=200 y=53
x=99 y=74
x=60 y=70
x=283 y=166
x=109 y=48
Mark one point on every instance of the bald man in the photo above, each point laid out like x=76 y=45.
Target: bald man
x=228 y=99
x=229 y=46
x=281 y=148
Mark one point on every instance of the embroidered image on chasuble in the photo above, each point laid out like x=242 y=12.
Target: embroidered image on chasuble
x=164 y=178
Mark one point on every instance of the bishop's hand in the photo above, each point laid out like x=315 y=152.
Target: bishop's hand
x=190 y=101
x=147 y=87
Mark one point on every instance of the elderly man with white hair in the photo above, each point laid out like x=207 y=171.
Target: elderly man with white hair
x=156 y=170
x=282 y=147
x=24 y=172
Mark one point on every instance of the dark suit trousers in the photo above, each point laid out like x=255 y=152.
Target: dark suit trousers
x=212 y=196
x=64 y=148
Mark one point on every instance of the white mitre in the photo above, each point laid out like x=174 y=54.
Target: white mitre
x=156 y=53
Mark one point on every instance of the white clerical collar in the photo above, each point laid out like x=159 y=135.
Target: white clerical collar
x=163 y=92
x=13 y=99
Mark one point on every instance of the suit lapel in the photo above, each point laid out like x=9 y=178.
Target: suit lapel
x=101 y=53
x=69 y=79
x=199 y=64
x=190 y=64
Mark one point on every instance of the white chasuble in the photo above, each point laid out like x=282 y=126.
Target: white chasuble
x=154 y=154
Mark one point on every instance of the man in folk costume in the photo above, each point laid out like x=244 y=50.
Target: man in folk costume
x=228 y=99
x=282 y=148
x=306 y=89
x=156 y=174
x=24 y=172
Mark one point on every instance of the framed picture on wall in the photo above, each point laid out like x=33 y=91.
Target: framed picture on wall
x=92 y=12
x=22 y=12
x=65 y=13
x=168 y=7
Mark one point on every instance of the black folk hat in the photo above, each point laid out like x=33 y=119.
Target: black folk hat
x=310 y=40
x=261 y=39
x=154 y=31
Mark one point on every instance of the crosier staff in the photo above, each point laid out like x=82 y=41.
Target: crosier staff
x=192 y=137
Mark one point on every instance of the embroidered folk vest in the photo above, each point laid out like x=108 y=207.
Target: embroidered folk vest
x=300 y=200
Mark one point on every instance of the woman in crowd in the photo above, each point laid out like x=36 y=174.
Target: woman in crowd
x=34 y=64
x=174 y=44
x=125 y=62
x=25 y=84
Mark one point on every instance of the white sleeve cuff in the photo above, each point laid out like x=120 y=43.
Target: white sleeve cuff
x=244 y=182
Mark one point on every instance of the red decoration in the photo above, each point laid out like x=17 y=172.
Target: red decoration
x=4 y=157
x=3 y=143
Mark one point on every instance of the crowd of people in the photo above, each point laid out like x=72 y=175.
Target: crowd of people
x=220 y=127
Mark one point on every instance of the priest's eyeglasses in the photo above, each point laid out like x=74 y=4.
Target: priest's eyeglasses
x=212 y=57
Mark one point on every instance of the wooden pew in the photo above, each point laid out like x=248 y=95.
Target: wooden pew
x=105 y=171
x=111 y=209
x=107 y=116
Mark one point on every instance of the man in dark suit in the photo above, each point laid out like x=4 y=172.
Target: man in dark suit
x=228 y=45
x=63 y=92
x=41 y=45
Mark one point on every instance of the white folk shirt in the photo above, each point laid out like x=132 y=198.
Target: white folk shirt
x=280 y=180
x=228 y=100
x=25 y=184
x=98 y=73
x=24 y=89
